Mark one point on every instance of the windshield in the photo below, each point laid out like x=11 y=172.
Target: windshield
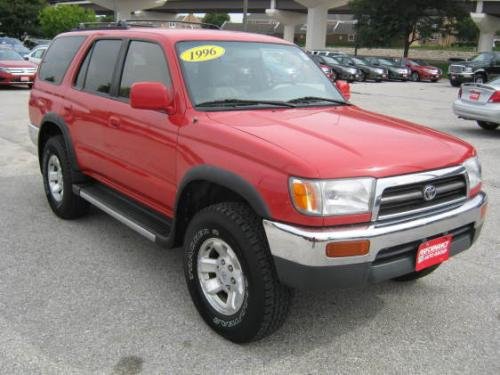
x=481 y=57
x=252 y=74
x=359 y=61
x=386 y=62
x=330 y=60
x=8 y=54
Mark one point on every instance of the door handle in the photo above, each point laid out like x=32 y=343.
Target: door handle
x=114 y=122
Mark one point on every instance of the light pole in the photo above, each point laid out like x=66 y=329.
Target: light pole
x=245 y=11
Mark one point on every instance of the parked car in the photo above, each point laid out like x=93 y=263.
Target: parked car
x=36 y=55
x=31 y=43
x=367 y=71
x=421 y=70
x=481 y=68
x=14 y=70
x=480 y=102
x=395 y=71
x=267 y=185
x=14 y=44
x=344 y=72
x=329 y=53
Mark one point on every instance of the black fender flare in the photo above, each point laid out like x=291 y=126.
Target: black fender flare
x=55 y=119
x=480 y=71
x=228 y=180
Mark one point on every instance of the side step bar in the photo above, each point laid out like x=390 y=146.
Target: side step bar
x=152 y=225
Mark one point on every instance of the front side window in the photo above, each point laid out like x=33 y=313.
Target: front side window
x=58 y=57
x=102 y=66
x=241 y=74
x=145 y=62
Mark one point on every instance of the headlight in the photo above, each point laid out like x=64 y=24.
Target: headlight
x=332 y=197
x=468 y=69
x=473 y=168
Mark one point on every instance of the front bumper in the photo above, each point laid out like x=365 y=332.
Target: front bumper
x=301 y=261
x=489 y=112
x=16 y=79
x=461 y=77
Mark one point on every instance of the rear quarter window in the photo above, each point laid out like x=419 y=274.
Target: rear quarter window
x=58 y=57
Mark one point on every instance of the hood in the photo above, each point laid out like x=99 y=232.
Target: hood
x=16 y=64
x=346 y=141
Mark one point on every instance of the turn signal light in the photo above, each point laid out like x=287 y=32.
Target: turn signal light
x=347 y=249
x=495 y=98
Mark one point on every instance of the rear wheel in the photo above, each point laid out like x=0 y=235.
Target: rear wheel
x=417 y=274
x=488 y=125
x=230 y=273
x=57 y=181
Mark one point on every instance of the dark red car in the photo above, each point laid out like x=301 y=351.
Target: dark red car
x=14 y=70
x=421 y=70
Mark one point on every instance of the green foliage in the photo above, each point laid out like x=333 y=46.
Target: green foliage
x=20 y=16
x=467 y=31
x=216 y=18
x=381 y=22
x=58 y=19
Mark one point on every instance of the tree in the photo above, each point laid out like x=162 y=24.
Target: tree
x=381 y=22
x=467 y=31
x=58 y=19
x=216 y=18
x=20 y=16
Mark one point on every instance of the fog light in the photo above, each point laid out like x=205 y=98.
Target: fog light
x=347 y=249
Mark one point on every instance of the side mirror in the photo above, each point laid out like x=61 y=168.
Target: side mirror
x=151 y=95
x=26 y=57
x=345 y=88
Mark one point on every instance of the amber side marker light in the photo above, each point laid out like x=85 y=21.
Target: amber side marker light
x=347 y=249
x=483 y=211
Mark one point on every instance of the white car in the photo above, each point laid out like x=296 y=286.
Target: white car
x=36 y=54
x=480 y=102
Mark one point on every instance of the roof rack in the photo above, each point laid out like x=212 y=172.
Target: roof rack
x=127 y=24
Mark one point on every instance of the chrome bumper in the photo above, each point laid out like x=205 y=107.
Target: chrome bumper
x=479 y=112
x=33 y=132
x=306 y=246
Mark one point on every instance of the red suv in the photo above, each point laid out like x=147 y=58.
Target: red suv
x=269 y=181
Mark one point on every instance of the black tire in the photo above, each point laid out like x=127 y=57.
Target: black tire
x=415 y=77
x=266 y=301
x=417 y=274
x=488 y=125
x=480 y=78
x=70 y=206
x=455 y=83
x=362 y=77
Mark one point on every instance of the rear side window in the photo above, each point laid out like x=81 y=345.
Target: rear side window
x=58 y=57
x=101 y=66
x=145 y=62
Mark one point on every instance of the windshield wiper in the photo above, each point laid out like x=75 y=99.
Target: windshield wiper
x=243 y=102
x=312 y=99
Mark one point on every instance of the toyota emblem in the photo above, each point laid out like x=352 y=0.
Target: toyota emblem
x=429 y=192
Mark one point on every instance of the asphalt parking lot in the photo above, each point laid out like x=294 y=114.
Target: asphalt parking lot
x=91 y=296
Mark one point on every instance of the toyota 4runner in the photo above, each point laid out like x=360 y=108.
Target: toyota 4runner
x=263 y=172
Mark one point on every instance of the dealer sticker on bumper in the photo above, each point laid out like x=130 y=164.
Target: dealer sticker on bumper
x=433 y=252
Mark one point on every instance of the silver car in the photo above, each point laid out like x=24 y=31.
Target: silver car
x=480 y=102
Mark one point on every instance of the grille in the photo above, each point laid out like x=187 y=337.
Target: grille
x=456 y=68
x=408 y=200
x=22 y=71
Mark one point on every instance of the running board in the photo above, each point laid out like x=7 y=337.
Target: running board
x=152 y=225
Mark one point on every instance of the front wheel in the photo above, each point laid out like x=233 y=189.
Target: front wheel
x=455 y=83
x=479 y=78
x=230 y=273
x=488 y=125
x=415 y=77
